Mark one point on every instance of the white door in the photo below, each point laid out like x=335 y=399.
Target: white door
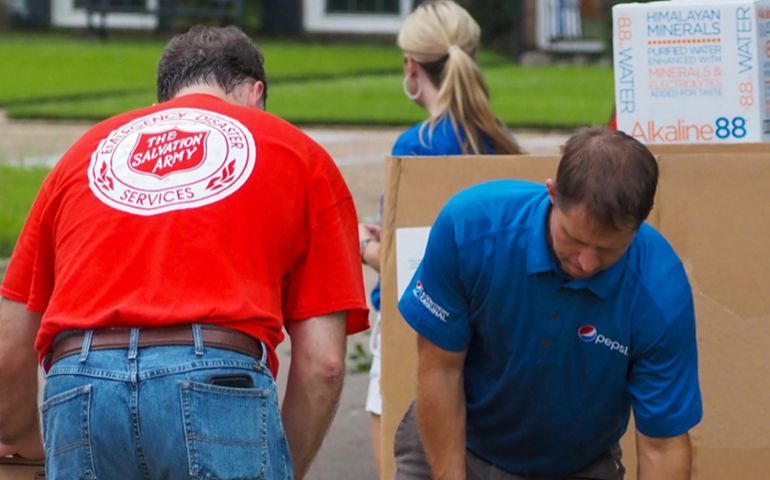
x=70 y=13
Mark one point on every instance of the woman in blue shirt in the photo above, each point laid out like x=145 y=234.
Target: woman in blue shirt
x=439 y=40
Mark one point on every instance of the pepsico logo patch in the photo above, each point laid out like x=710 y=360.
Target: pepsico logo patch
x=175 y=159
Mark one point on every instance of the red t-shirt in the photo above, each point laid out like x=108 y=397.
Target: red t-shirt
x=194 y=210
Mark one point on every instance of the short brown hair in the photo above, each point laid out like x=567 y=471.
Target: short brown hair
x=224 y=57
x=609 y=173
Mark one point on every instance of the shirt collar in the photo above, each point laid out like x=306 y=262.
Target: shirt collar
x=603 y=283
x=540 y=257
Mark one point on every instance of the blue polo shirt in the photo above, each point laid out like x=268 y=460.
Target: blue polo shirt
x=554 y=365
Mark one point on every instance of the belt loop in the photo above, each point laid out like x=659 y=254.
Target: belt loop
x=46 y=363
x=89 y=335
x=263 y=359
x=197 y=339
x=133 y=343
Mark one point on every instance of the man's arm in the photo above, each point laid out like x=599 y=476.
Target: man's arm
x=668 y=458
x=315 y=381
x=19 y=432
x=441 y=409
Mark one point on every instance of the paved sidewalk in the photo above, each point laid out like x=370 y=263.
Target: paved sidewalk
x=360 y=154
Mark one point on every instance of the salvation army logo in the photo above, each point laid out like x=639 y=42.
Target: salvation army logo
x=587 y=333
x=167 y=152
x=172 y=160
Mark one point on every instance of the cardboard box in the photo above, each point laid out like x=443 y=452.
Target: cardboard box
x=21 y=469
x=710 y=207
x=693 y=71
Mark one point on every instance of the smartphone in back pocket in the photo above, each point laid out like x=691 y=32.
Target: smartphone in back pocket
x=234 y=381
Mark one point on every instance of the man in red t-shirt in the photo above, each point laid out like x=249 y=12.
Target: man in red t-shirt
x=159 y=264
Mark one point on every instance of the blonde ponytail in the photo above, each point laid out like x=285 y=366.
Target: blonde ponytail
x=443 y=38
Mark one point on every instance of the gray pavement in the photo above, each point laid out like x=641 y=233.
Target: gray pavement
x=360 y=154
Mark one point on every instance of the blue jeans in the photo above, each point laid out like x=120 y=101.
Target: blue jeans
x=153 y=413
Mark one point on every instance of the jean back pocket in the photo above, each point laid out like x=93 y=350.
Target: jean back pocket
x=227 y=431
x=67 y=435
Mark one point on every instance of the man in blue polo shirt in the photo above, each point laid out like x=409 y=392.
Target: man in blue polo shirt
x=545 y=313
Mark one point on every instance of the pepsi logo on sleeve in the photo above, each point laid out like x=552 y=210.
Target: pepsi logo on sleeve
x=175 y=159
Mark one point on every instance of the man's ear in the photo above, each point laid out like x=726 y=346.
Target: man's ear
x=550 y=185
x=256 y=93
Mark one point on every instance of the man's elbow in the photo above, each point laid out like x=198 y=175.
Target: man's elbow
x=329 y=369
x=672 y=455
x=319 y=348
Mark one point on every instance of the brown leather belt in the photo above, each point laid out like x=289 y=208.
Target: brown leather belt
x=111 y=338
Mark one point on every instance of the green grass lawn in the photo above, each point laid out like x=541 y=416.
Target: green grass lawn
x=521 y=97
x=63 y=77
x=561 y=97
x=45 y=66
x=552 y=96
x=19 y=187
x=55 y=66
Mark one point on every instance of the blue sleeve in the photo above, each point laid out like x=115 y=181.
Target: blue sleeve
x=436 y=304
x=376 y=296
x=663 y=380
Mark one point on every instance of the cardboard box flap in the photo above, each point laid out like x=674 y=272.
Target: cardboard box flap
x=714 y=213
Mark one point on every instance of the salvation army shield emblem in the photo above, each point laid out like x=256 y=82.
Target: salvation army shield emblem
x=166 y=152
